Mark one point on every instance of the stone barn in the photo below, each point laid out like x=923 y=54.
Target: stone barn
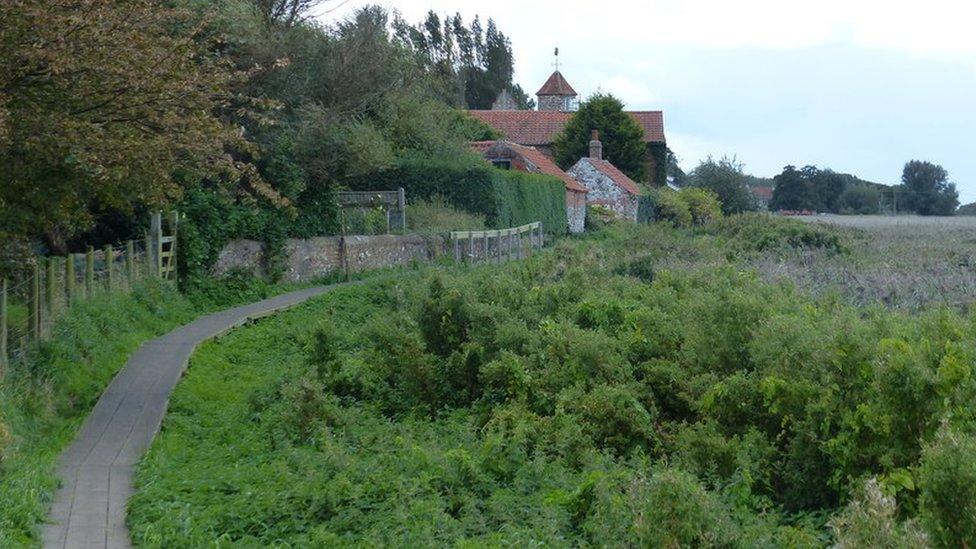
x=607 y=185
x=512 y=156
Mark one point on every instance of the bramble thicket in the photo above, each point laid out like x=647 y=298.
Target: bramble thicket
x=589 y=395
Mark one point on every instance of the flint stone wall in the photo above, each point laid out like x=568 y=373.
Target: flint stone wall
x=308 y=259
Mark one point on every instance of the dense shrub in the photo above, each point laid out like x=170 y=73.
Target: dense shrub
x=689 y=206
x=759 y=233
x=506 y=198
x=947 y=479
x=600 y=392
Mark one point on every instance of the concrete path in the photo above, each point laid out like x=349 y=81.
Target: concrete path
x=97 y=469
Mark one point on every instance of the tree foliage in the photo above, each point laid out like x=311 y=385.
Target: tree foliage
x=622 y=137
x=927 y=190
x=475 y=64
x=101 y=102
x=726 y=179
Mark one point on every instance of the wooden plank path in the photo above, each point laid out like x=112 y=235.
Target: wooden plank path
x=96 y=470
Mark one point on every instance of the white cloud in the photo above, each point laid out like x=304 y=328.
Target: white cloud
x=933 y=27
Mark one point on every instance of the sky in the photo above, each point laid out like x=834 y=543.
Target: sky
x=859 y=86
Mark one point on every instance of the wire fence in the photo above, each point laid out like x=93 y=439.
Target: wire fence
x=30 y=307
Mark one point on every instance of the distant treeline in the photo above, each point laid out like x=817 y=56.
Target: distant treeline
x=925 y=190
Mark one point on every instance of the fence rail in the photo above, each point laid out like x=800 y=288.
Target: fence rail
x=497 y=245
x=30 y=307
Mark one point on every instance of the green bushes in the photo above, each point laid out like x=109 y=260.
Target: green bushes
x=689 y=206
x=758 y=233
x=506 y=198
x=591 y=393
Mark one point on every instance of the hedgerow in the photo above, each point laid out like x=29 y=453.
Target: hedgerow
x=506 y=198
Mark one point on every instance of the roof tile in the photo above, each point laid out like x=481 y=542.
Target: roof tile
x=541 y=127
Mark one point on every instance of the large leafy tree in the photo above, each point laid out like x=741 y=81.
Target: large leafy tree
x=793 y=190
x=100 y=102
x=927 y=189
x=622 y=137
x=727 y=180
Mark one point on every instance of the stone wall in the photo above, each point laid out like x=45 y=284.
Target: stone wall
x=604 y=191
x=576 y=211
x=312 y=258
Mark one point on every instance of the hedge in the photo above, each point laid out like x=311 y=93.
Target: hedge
x=506 y=198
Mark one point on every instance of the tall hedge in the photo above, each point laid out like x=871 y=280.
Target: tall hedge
x=506 y=198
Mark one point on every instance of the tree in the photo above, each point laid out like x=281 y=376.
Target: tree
x=967 y=209
x=676 y=176
x=623 y=139
x=793 y=190
x=726 y=179
x=102 y=100
x=861 y=199
x=928 y=190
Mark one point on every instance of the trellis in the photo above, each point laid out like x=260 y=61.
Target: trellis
x=393 y=203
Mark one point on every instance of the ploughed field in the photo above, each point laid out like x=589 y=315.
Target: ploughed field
x=639 y=386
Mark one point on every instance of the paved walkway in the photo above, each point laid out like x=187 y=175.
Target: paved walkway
x=97 y=469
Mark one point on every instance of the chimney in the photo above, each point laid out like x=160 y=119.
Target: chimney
x=596 y=148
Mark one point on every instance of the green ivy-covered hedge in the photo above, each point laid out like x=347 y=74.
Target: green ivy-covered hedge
x=506 y=198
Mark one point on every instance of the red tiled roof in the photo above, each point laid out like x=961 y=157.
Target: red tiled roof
x=535 y=157
x=541 y=127
x=556 y=85
x=618 y=177
x=764 y=193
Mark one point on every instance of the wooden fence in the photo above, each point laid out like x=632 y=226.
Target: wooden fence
x=497 y=245
x=391 y=206
x=30 y=306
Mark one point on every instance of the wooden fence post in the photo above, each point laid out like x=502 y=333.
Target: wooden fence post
x=109 y=263
x=90 y=273
x=33 y=309
x=402 y=206
x=130 y=263
x=69 y=278
x=172 y=247
x=484 y=243
x=148 y=253
x=470 y=257
x=156 y=230
x=518 y=244
x=457 y=248
x=49 y=291
x=3 y=329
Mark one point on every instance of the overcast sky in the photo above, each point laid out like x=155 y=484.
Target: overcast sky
x=858 y=86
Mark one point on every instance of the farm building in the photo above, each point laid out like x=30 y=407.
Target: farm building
x=557 y=101
x=607 y=185
x=512 y=156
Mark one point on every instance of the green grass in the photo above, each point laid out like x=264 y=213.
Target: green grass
x=44 y=399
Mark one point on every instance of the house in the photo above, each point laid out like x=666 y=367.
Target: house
x=557 y=100
x=512 y=156
x=607 y=185
x=762 y=196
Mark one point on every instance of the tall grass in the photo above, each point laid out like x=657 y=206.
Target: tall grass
x=44 y=398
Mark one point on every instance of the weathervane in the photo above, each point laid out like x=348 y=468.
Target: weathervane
x=556 y=64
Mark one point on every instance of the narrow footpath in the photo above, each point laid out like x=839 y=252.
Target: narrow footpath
x=96 y=471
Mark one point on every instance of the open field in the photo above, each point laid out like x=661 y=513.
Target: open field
x=884 y=222
x=905 y=262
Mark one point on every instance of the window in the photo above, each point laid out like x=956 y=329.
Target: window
x=502 y=164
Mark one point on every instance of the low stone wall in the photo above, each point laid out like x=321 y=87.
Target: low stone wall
x=312 y=258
